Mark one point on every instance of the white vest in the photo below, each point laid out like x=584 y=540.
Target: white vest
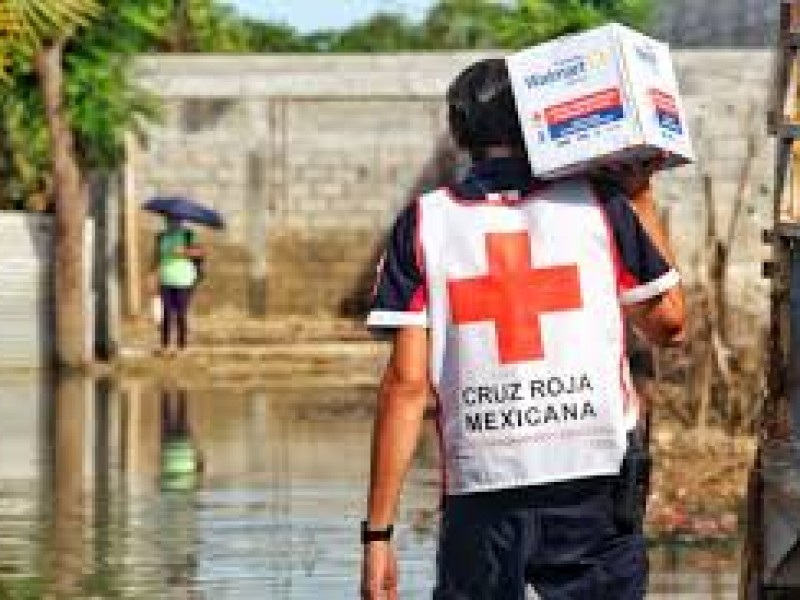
x=527 y=337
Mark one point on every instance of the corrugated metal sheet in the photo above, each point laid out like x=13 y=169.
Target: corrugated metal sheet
x=26 y=289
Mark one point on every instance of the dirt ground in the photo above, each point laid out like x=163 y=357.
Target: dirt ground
x=699 y=482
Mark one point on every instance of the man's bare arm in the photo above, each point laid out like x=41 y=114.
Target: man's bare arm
x=401 y=407
x=663 y=318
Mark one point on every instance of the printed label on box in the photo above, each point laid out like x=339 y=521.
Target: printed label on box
x=667 y=113
x=586 y=112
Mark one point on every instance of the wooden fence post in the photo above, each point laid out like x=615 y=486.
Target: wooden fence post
x=133 y=277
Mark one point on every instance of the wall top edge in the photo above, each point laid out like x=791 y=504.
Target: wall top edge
x=297 y=76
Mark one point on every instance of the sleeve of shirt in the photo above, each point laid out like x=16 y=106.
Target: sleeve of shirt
x=642 y=271
x=400 y=296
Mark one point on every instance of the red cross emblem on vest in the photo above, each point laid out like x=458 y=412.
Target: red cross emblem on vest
x=514 y=295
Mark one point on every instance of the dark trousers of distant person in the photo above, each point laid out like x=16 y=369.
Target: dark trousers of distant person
x=174 y=416
x=175 y=303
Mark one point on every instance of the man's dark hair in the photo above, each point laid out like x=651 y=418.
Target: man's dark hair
x=481 y=108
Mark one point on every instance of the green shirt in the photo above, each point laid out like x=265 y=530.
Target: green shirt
x=175 y=270
x=179 y=462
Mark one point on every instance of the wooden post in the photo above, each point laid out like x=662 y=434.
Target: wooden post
x=133 y=275
x=113 y=241
x=776 y=435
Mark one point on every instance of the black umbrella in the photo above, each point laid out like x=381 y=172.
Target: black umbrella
x=184 y=209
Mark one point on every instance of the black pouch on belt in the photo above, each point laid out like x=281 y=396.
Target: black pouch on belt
x=630 y=495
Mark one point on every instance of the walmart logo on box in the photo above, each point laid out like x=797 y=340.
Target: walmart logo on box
x=569 y=70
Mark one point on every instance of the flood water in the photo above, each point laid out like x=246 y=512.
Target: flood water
x=154 y=489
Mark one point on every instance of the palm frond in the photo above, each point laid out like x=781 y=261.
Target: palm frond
x=34 y=20
x=25 y=24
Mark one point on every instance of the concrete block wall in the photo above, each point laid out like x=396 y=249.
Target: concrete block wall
x=725 y=92
x=311 y=157
x=27 y=334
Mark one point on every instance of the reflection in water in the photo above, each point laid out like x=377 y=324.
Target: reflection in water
x=137 y=489
x=67 y=556
x=179 y=469
x=180 y=462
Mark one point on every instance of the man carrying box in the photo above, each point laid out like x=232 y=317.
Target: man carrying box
x=507 y=298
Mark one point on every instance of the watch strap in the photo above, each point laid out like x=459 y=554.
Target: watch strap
x=369 y=535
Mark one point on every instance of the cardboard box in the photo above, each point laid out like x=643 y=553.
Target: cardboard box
x=608 y=94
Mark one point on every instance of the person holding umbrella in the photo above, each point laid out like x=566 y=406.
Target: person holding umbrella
x=176 y=262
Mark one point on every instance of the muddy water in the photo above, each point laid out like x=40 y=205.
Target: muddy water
x=144 y=489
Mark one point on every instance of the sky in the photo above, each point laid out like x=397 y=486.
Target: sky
x=311 y=15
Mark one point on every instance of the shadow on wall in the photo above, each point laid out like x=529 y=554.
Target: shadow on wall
x=441 y=168
x=41 y=233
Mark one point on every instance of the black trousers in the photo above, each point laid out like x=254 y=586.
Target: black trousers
x=563 y=539
x=175 y=302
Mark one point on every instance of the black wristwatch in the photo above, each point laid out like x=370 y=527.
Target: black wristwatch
x=375 y=535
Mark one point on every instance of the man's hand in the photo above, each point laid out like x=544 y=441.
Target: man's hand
x=379 y=572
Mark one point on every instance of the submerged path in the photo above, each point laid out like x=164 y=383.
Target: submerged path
x=258 y=352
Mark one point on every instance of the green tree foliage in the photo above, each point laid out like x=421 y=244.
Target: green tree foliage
x=475 y=24
x=464 y=25
x=204 y=26
x=210 y=26
x=24 y=144
x=30 y=21
x=638 y=13
x=384 y=32
x=100 y=101
x=22 y=587
x=276 y=37
x=25 y=24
